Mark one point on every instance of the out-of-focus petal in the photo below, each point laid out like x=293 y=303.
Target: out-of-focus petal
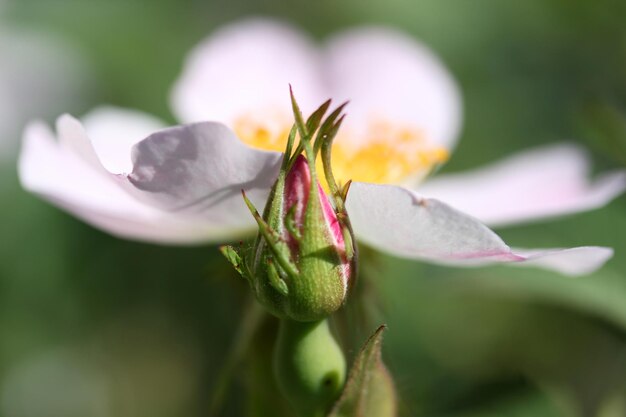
x=392 y=77
x=397 y=221
x=113 y=131
x=73 y=139
x=64 y=173
x=245 y=68
x=543 y=182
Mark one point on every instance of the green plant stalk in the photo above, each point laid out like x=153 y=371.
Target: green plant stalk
x=309 y=366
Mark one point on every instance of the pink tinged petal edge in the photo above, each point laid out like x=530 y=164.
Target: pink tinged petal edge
x=542 y=182
x=573 y=262
x=400 y=222
x=67 y=173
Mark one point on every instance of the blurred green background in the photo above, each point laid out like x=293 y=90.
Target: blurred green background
x=95 y=326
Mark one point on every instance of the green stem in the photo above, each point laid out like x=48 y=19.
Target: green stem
x=309 y=366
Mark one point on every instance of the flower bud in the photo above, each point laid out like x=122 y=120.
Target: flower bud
x=311 y=239
x=303 y=259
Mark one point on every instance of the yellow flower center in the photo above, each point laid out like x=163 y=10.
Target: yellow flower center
x=387 y=154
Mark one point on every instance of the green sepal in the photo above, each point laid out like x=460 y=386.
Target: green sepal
x=305 y=136
x=297 y=113
x=307 y=129
x=315 y=119
x=323 y=133
x=235 y=260
x=275 y=280
x=312 y=124
x=275 y=242
x=338 y=195
x=369 y=391
x=348 y=243
x=326 y=147
x=290 y=224
x=344 y=190
x=287 y=155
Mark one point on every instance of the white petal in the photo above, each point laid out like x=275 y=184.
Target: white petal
x=73 y=139
x=387 y=75
x=70 y=180
x=113 y=131
x=573 y=261
x=543 y=182
x=245 y=68
x=199 y=170
x=400 y=222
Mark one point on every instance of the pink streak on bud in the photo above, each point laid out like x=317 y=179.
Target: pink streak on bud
x=337 y=236
x=297 y=187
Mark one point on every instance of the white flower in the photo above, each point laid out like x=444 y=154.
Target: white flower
x=182 y=184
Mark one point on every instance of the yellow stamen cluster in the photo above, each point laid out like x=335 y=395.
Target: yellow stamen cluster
x=386 y=154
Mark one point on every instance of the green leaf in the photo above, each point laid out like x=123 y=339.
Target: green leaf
x=369 y=391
